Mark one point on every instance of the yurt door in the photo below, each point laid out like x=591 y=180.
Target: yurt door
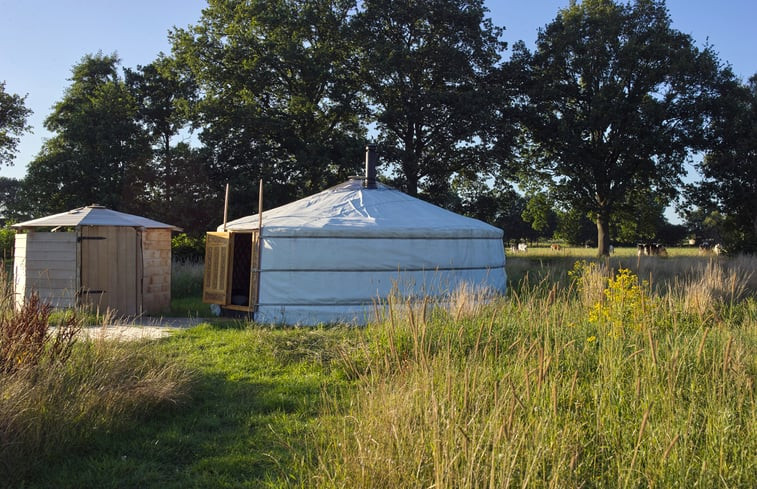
x=232 y=270
x=215 y=288
x=111 y=268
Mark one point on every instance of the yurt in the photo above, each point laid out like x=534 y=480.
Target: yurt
x=93 y=256
x=333 y=256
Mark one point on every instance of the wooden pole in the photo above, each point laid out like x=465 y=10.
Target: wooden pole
x=260 y=248
x=260 y=206
x=226 y=208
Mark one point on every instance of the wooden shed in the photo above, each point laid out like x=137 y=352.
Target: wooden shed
x=93 y=256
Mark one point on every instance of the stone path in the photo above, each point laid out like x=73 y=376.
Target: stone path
x=139 y=328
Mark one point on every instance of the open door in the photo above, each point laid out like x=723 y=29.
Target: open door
x=218 y=250
x=255 y=271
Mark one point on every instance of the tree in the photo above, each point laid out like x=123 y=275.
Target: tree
x=430 y=75
x=99 y=153
x=729 y=186
x=540 y=213
x=13 y=115
x=639 y=218
x=10 y=200
x=180 y=192
x=499 y=205
x=278 y=95
x=575 y=228
x=615 y=101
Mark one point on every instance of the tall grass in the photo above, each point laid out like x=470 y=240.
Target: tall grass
x=186 y=278
x=555 y=387
x=57 y=390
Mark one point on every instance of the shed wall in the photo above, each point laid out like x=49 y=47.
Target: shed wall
x=156 y=281
x=45 y=263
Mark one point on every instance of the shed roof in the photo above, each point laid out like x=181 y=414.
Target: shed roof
x=94 y=215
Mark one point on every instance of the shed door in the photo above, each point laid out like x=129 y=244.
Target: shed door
x=111 y=269
x=216 y=288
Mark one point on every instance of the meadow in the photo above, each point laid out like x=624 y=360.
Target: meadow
x=622 y=372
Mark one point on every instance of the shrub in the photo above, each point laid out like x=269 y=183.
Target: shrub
x=625 y=305
x=7 y=241
x=26 y=339
x=185 y=247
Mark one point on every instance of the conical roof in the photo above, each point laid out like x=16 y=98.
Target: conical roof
x=350 y=210
x=94 y=215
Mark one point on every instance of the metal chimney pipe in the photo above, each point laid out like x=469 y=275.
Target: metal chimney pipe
x=371 y=159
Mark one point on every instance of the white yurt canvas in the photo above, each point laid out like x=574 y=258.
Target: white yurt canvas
x=331 y=256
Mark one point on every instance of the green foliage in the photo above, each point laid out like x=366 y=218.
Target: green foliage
x=575 y=228
x=75 y=409
x=540 y=213
x=185 y=247
x=626 y=305
x=11 y=200
x=186 y=278
x=428 y=70
x=729 y=186
x=84 y=163
x=254 y=395
x=531 y=393
x=500 y=206
x=616 y=100
x=7 y=242
x=516 y=392
x=13 y=116
x=279 y=96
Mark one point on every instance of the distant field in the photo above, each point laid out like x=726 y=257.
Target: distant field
x=583 y=252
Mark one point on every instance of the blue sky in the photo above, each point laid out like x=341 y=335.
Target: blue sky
x=41 y=40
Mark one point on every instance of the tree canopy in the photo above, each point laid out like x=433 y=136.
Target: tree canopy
x=598 y=120
x=279 y=101
x=99 y=153
x=13 y=116
x=729 y=168
x=428 y=72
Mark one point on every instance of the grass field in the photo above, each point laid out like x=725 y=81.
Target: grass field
x=583 y=376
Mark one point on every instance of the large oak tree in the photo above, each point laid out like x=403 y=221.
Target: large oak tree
x=99 y=153
x=429 y=71
x=277 y=95
x=616 y=100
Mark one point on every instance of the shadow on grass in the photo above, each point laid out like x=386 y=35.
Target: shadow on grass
x=245 y=423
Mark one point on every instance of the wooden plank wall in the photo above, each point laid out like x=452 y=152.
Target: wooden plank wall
x=156 y=281
x=111 y=267
x=45 y=263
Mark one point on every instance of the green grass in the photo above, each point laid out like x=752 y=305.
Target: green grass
x=189 y=307
x=565 y=383
x=256 y=395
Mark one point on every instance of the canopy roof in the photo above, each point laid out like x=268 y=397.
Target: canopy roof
x=94 y=215
x=350 y=210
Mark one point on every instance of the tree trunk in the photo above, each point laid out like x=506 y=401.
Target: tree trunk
x=603 y=234
x=411 y=180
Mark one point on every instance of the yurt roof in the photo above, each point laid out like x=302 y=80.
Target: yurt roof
x=350 y=210
x=94 y=215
